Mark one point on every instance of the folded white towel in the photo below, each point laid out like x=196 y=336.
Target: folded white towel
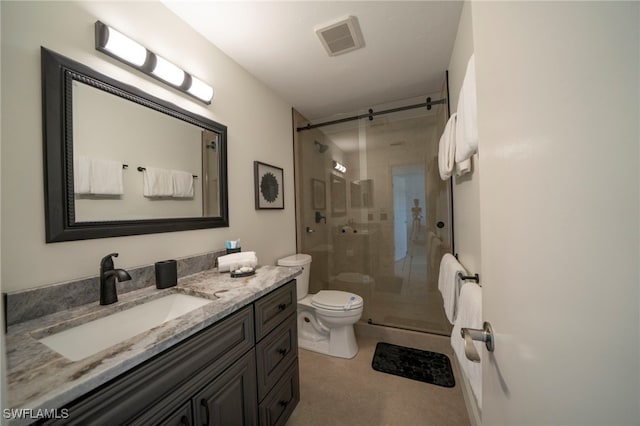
x=464 y=167
x=157 y=182
x=467 y=123
x=449 y=284
x=81 y=175
x=106 y=177
x=237 y=260
x=182 y=184
x=469 y=316
x=447 y=148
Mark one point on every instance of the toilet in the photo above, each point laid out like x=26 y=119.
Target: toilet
x=325 y=319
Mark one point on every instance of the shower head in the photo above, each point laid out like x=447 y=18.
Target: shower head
x=321 y=147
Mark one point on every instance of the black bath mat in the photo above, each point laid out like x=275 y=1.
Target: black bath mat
x=425 y=366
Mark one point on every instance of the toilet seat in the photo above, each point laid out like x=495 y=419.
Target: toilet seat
x=334 y=300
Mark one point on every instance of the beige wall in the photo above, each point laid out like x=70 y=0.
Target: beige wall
x=466 y=198
x=259 y=126
x=3 y=381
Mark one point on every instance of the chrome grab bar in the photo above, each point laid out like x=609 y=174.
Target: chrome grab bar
x=484 y=335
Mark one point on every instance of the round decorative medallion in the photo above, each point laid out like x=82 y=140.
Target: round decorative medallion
x=269 y=187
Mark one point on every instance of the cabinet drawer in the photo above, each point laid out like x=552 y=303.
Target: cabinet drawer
x=273 y=308
x=181 y=417
x=275 y=353
x=282 y=400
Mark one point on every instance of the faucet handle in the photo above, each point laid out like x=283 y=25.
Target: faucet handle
x=107 y=261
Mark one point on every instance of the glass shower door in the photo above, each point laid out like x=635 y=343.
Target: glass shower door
x=371 y=226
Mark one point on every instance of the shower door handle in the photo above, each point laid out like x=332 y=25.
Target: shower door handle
x=470 y=334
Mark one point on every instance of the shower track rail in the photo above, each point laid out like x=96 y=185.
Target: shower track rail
x=428 y=104
x=418 y=330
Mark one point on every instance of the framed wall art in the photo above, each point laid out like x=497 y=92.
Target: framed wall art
x=269 y=186
x=318 y=194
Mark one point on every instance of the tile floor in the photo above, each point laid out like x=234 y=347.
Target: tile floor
x=336 y=391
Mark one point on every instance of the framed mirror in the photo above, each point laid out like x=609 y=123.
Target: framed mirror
x=362 y=193
x=92 y=122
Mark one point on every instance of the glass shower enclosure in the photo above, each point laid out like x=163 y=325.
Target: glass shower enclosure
x=374 y=214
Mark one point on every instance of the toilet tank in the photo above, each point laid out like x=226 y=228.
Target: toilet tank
x=302 y=280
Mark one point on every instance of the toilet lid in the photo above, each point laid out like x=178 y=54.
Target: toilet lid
x=336 y=300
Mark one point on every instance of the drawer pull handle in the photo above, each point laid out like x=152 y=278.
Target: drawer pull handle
x=282 y=306
x=283 y=403
x=184 y=421
x=282 y=351
x=203 y=403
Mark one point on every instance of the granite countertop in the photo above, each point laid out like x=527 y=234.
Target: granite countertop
x=40 y=378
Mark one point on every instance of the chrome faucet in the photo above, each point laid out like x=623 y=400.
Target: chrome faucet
x=108 y=276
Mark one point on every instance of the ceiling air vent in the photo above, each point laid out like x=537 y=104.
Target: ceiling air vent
x=341 y=37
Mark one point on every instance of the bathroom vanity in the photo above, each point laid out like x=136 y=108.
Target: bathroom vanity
x=232 y=361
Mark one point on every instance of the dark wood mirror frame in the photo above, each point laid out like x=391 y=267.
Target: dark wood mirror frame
x=58 y=73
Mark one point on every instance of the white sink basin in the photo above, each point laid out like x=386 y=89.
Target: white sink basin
x=90 y=338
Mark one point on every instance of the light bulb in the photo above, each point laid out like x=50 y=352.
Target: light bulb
x=200 y=89
x=168 y=71
x=125 y=48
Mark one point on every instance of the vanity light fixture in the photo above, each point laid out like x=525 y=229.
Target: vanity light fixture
x=339 y=167
x=115 y=44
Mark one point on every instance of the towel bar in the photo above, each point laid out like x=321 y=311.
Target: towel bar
x=474 y=277
x=142 y=169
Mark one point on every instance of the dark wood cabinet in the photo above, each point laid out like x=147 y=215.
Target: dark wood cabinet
x=183 y=416
x=276 y=408
x=273 y=308
x=230 y=398
x=277 y=355
x=219 y=376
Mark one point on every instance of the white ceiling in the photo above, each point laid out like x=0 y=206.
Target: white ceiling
x=407 y=48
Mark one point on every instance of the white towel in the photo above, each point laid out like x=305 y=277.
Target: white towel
x=81 y=175
x=106 y=177
x=469 y=316
x=467 y=123
x=237 y=260
x=464 y=167
x=447 y=148
x=157 y=182
x=449 y=284
x=182 y=184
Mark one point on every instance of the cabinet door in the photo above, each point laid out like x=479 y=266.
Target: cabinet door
x=230 y=399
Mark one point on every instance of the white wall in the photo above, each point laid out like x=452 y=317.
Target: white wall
x=466 y=193
x=558 y=109
x=259 y=125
